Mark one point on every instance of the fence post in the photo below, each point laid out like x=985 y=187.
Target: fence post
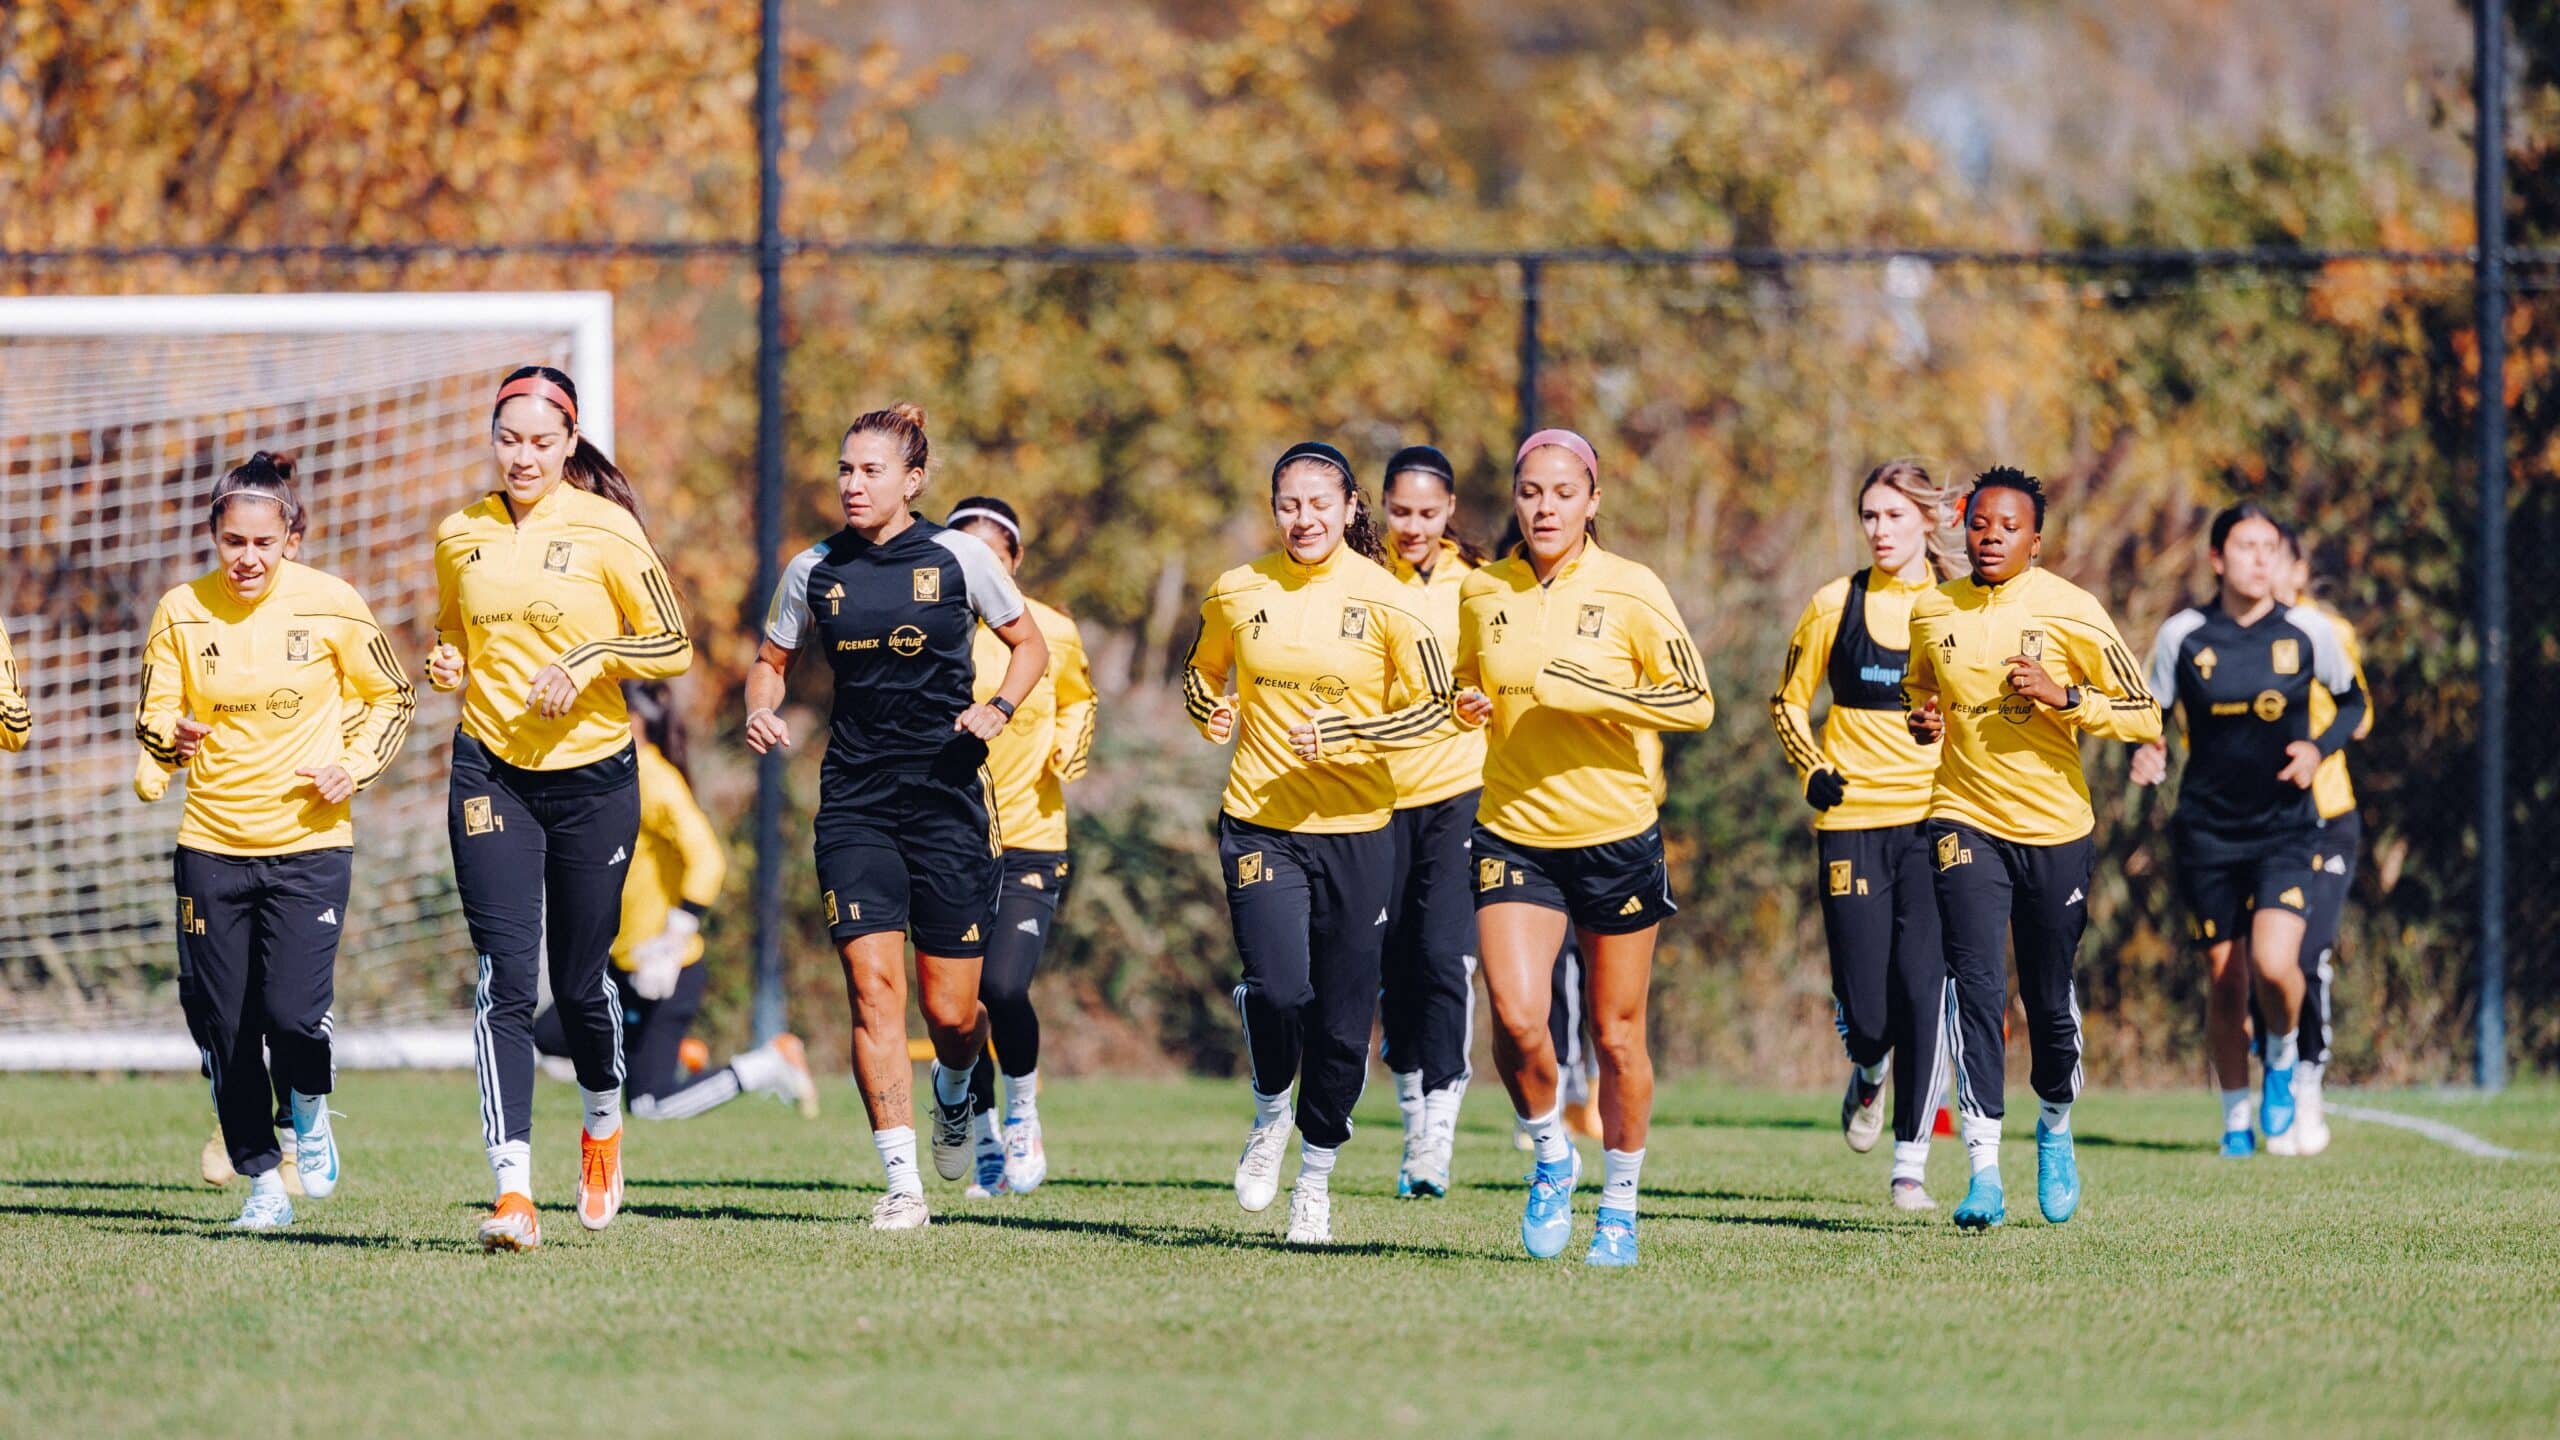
x=2489 y=296
x=1532 y=276
x=770 y=1016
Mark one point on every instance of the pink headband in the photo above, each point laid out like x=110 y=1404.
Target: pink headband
x=540 y=388
x=1580 y=448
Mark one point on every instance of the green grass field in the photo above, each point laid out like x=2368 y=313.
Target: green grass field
x=2388 y=1288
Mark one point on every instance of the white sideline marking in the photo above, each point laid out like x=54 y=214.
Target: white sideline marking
x=2436 y=1130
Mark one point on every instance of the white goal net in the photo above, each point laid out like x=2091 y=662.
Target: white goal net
x=116 y=417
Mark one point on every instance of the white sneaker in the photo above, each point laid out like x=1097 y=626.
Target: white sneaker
x=1026 y=1156
x=1911 y=1195
x=988 y=1162
x=2310 y=1133
x=1862 y=1113
x=1258 y=1168
x=1427 y=1175
x=315 y=1157
x=951 y=1138
x=266 y=1210
x=900 y=1210
x=1310 y=1216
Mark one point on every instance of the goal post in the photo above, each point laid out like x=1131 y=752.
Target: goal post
x=117 y=413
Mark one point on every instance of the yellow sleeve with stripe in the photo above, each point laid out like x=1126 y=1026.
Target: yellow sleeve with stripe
x=655 y=644
x=163 y=703
x=2115 y=699
x=1078 y=712
x=1808 y=661
x=1420 y=685
x=1673 y=694
x=381 y=700
x=17 y=722
x=1210 y=668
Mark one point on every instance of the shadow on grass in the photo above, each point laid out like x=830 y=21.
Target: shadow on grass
x=1098 y=1182
x=1740 y=1122
x=1741 y=1197
x=82 y=1212
x=159 y=1187
x=1820 y=1224
x=1202 y=1237
x=2164 y=1147
x=710 y=1183
x=161 y=1222
x=660 y=1210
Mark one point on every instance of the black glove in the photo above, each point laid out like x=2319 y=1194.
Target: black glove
x=1824 y=789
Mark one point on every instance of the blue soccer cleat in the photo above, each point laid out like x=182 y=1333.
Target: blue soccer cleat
x=1613 y=1241
x=2239 y=1144
x=2057 y=1175
x=1546 y=1222
x=1985 y=1203
x=315 y=1146
x=2275 y=1105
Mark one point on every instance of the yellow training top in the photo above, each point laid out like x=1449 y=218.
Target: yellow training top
x=2331 y=789
x=1046 y=743
x=676 y=861
x=1578 y=668
x=1454 y=765
x=1331 y=642
x=2012 y=767
x=17 y=722
x=574 y=584
x=298 y=679
x=1865 y=738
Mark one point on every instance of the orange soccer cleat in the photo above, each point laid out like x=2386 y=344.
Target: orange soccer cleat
x=512 y=1225
x=599 y=1179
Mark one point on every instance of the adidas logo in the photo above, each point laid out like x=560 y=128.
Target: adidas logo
x=1634 y=906
x=1382 y=917
x=972 y=937
x=210 y=649
x=471 y=559
x=1033 y=881
x=1260 y=617
x=2076 y=897
x=1029 y=927
x=1501 y=617
x=619 y=855
x=329 y=916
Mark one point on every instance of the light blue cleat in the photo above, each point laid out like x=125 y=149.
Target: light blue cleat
x=2275 y=1104
x=1546 y=1223
x=2239 y=1144
x=1985 y=1203
x=315 y=1145
x=1613 y=1240
x=2057 y=1175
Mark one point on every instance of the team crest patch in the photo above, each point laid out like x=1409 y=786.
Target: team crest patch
x=2286 y=657
x=2031 y=644
x=1951 y=852
x=2269 y=706
x=1355 y=621
x=1587 y=624
x=1249 y=869
x=297 y=646
x=1488 y=875
x=556 y=558
x=187 y=922
x=1843 y=876
x=476 y=816
x=928 y=584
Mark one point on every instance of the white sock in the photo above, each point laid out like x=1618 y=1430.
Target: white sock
x=1873 y=1074
x=2306 y=1077
x=950 y=1087
x=758 y=1070
x=1315 y=1166
x=2283 y=1050
x=271 y=1183
x=2239 y=1110
x=1618 y=1170
x=512 y=1164
x=1409 y=1098
x=1270 y=1109
x=1546 y=1135
x=898 y=1159
x=1911 y=1159
x=1022 y=1097
x=1982 y=1142
x=310 y=1113
x=1440 y=1108
x=604 y=1111
x=984 y=1124
x=2056 y=1118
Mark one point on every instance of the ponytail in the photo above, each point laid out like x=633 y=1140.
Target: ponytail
x=588 y=467
x=267 y=475
x=1361 y=531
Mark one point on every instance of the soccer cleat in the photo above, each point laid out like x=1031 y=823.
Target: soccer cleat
x=2276 y=1109
x=315 y=1155
x=1258 y=1168
x=2057 y=1175
x=1310 y=1216
x=900 y=1210
x=1546 y=1221
x=1026 y=1157
x=1426 y=1176
x=599 y=1179
x=2310 y=1119
x=951 y=1138
x=215 y=1163
x=512 y=1225
x=2239 y=1144
x=1912 y=1195
x=265 y=1210
x=1862 y=1112
x=798 y=1085
x=1613 y=1240
x=1417 y=1142
x=988 y=1182
x=1984 y=1204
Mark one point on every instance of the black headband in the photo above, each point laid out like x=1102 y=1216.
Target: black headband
x=1425 y=458
x=1311 y=450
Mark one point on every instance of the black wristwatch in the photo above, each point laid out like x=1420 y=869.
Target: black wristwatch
x=1004 y=705
x=2070 y=697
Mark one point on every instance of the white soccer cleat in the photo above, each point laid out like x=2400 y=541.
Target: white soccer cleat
x=1911 y=1195
x=951 y=1142
x=1258 y=1169
x=1862 y=1112
x=987 y=1163
x=900 y=1210
x=2310 y=1133
x=1310 y=1216
x=315 y=1157
x=265 y=1210
x=1026 y=1157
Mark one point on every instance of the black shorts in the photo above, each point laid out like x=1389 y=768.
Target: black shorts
x=2226 y=879
x=2333 y=872
x=909 y=853
x=1612 y=889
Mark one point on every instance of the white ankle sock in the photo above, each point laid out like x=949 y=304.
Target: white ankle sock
x=2055 y=1118
x=950 y=1087
x=1546 y=1135
x=512 y=1164
x=1022 y=1097
x=1409 y=1098
x=2239 y=1110
x=2307 y=1076
x=1440 y=1108
x=1270 y=1109
x=1910 y=1159
x=271 y=1183
x=984 y=1126
x=1873 y=1074
x=898 y=1159
x=604 y=1111
x=758 y=1070
x=1315 y=1166
x=1619 y=1170
x=2283 y=1050
x=1982 y=1142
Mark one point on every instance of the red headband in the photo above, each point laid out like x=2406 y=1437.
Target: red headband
x=1566 y=439
x=536 y=386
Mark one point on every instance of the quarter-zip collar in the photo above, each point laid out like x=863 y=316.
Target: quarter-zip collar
x=1301 y=571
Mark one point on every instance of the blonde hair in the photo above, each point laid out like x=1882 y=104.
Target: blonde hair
x=1911 y=480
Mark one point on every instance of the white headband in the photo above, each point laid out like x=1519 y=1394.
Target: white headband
x=977 y=513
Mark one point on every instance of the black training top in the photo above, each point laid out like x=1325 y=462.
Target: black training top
x=2247 y=693
x=1865 y=674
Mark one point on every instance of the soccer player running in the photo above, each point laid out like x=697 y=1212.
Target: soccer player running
x=17 y=722
x=549 y=592
x=1427 y=984
x=1869 y=785
x=2009 y=665
x=1572 y=654
x=269 y=683
x=906 y=838
x=2244 y=668
x=677 y=867
x=1309 y=659
x=1029 y=765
